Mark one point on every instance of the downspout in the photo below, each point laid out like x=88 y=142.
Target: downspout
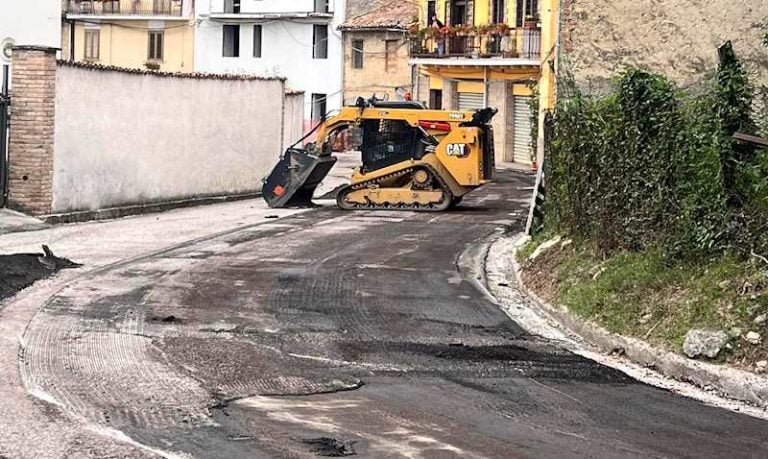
x=72 y=23
x=557 y=49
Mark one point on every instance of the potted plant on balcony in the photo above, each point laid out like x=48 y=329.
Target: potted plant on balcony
x=485 y=29
x=500 y=29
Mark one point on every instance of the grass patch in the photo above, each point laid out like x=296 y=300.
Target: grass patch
x=648 y=296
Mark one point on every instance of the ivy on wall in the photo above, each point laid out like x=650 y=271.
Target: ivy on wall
x=652 y=166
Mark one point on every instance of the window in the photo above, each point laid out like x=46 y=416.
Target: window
x=320 y=42
x=232 y=6
x=156 y=38
x=357 y=54
x=499 y=11
x=319 y=105
x=458 y=12
x=92 y=44
x=111 y=6
x=231 y=42
x=390 y=47
x=431 y=11
x=322 y=6
x=526 y=9
x=257 y=32
x=436 y=99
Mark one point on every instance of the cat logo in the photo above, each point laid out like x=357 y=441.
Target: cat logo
x=459 y=150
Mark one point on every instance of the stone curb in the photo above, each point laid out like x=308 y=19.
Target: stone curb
x=728 y=382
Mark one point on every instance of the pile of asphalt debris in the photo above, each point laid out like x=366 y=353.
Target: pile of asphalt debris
x=20 y=271
x=330 y=447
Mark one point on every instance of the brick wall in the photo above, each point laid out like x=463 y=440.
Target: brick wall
x=32 y=130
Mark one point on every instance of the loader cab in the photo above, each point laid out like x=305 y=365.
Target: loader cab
x=387 y=142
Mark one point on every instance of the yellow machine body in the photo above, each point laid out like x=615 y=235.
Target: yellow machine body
x=413 y=159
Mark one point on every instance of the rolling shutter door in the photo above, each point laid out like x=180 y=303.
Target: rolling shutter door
x=522 y=130
x=470 y=101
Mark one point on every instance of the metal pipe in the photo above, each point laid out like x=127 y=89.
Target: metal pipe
x=4 y=102
x=72 y=40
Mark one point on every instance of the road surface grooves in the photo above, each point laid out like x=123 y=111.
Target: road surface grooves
x=351 y=329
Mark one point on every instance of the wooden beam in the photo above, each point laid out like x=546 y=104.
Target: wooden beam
x=751 y=139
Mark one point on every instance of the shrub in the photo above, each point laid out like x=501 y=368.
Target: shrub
x=650 y=166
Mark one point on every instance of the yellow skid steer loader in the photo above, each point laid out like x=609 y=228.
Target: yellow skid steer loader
x=412 y=158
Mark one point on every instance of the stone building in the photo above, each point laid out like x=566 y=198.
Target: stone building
x=678 y=38
x=376 y=51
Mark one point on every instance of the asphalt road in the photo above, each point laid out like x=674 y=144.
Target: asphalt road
x=331 y=332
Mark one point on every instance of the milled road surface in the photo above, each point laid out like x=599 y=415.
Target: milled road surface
x=330 y=332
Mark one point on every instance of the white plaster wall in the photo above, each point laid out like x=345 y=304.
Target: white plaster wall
x=293 y=119
x=30 y=23
x=262 y=6
x=286 y=49
x=124 y=138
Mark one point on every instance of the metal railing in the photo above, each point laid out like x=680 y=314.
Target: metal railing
x=523 y=42
x=126 y=7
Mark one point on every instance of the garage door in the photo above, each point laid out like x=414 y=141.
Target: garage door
x=470 y=101
x=522 y=130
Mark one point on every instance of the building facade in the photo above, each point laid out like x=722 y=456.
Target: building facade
x=145 y=34
x=498 y=53
x=28 y=23
x=295 y=39
x=376 y=54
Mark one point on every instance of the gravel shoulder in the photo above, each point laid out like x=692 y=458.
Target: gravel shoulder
x=715 y=385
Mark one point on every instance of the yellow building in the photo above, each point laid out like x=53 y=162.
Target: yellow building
x=145 y=34
x=497 y=53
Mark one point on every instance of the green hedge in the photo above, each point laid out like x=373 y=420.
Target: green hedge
x=653 y=166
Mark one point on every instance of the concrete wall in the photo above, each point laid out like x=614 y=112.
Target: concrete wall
x=676 y=37
x=286 y=47
x=293 y=118
x=375 y=76
x=125 y=138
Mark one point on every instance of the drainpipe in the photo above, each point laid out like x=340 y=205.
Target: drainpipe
x=485 y=88
x=72 y=40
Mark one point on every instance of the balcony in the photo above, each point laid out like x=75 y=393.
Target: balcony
x=232 y=11
x=125 y=8
x=491 y=44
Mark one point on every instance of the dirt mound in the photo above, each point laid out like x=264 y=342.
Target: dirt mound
x=20 y=271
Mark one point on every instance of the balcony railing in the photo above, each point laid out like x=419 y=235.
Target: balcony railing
x=521 y=43
x=126 y=7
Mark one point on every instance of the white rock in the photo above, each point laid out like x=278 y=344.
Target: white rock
x=753 y=338
x=544 y=247
x=598 y=273
x=704 y=342
x=761 y=319
x=761 y=366
x=734 y=332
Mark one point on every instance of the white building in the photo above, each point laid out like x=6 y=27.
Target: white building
x=295 y=39
x=28 y=23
